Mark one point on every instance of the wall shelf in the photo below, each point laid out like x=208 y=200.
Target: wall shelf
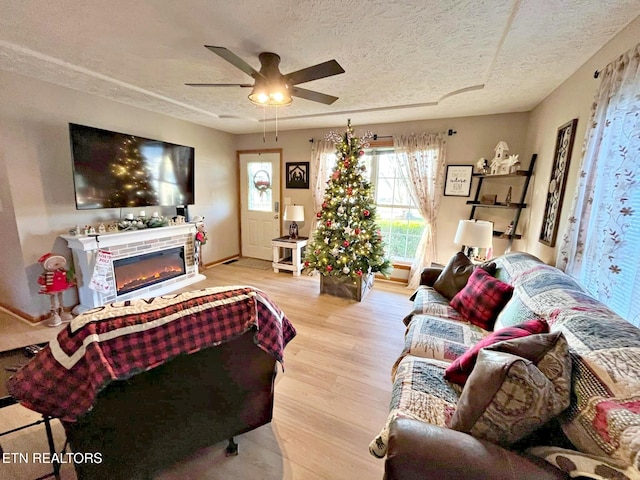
x=519 y=173
x=497 y=205
x=525 y=176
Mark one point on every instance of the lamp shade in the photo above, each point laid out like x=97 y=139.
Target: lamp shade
x=294 y=213
x=474 y=233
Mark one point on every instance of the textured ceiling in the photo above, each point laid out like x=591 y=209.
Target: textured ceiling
x=404 y=59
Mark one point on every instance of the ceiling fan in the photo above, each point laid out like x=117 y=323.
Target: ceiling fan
x=272 y=87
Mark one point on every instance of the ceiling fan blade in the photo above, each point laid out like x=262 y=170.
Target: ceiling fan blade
x=313 y=96
x=235 y=60
x=218 y=85
x=315 y=72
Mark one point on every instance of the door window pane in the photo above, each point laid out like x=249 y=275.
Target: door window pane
x=259 y=191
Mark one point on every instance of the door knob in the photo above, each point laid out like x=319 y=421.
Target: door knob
x=275 y=216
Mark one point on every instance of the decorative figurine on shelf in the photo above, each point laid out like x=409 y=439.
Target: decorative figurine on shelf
x=508 y=231
x=507 y=200
x=53 y=281
x=483 y=166
x=514 y=163
x=500 y=163
x=201 y=238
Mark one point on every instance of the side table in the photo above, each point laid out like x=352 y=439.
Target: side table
x=291 y=258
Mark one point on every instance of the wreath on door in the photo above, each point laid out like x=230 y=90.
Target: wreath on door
x=262 y=181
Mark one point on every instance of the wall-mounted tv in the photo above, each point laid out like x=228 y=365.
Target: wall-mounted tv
x=117 y=170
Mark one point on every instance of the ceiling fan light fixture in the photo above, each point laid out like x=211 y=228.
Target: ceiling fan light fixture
x=271 y=96
x=259 y=97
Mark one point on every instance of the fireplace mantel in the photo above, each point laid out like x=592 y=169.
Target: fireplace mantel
x=128 y=244
x=89 y=243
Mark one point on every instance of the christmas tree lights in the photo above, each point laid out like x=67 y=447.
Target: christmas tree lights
x=347 y=241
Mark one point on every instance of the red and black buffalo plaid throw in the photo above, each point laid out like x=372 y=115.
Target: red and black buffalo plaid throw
x=117 y=341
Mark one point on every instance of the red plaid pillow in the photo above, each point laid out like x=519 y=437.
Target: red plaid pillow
x=482 y=298
x=461 y=367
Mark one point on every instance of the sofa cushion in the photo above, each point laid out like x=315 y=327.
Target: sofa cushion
x=459 y=371
x=455 y=274
x=482 y=298
x=426 y=300
x=514 y=313
x=516 y=387
x=438 y=338
x=421 y=393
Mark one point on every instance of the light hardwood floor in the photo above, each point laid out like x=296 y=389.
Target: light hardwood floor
x=330 y=402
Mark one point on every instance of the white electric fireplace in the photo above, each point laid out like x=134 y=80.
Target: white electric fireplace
x=144 y=263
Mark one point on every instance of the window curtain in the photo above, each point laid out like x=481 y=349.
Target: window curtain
x=422 y=158
x=320 y=150
x=601 y=243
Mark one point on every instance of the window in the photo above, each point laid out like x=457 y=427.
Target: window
x=397 y=216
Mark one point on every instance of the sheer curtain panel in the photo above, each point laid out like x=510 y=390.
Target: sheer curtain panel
x=321 y=149
x=602 y=240
x=422 y=158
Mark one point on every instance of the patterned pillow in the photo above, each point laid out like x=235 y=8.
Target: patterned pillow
x=481 y=300
x=455 y=274
x=582 y=465
x=509 y=396
x=460 y=369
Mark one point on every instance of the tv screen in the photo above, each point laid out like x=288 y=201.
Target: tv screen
x=117 y=170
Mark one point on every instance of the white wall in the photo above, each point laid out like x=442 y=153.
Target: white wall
x=37 y=196
x=570 y=100
x=476 y=137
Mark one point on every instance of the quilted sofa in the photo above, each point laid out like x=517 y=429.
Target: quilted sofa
x=140 y=385
x=597 y=435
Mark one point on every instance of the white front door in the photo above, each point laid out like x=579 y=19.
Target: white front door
x=259 y=202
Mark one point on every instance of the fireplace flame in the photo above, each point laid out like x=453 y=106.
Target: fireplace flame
x=147 y=270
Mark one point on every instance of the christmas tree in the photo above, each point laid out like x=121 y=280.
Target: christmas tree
x=347 y=241
x=133 y=179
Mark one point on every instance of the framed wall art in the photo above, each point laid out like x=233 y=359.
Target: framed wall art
x=557 y=182
x=297 y=174
x=457 y=182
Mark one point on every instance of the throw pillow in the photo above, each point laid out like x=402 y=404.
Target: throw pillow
x=460 y=369
x=582 y=465
x=482 y=298
x=455 y=274
x=516 y=387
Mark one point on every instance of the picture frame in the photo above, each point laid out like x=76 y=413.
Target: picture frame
x=297 y=175
x=457 y=182
x=557 y=182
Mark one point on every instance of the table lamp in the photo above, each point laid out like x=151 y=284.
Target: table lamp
x=293 y=214
x=474 y=234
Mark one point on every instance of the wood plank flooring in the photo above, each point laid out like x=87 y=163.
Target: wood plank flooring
x=330 y=402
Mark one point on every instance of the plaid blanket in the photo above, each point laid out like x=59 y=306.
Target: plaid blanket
x=117 y=341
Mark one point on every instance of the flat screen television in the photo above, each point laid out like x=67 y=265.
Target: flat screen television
x=117 y=170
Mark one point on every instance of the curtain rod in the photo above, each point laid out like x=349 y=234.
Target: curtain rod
x=450 y=133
